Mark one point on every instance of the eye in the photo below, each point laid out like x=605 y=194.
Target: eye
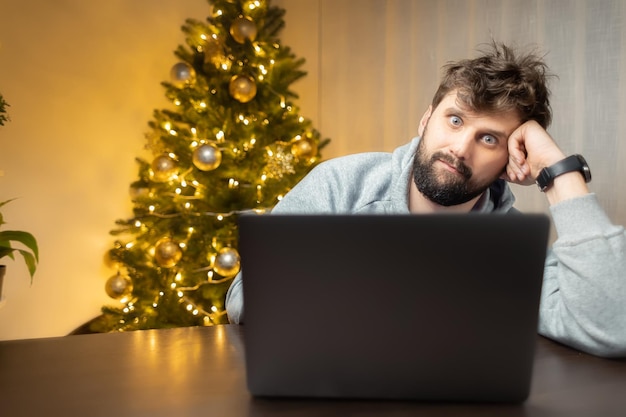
x=455 y=121
x=490 y=140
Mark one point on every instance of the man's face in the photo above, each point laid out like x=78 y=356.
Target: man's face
x=461 y=152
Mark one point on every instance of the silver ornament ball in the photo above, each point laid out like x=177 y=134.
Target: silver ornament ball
x=227 y=262
x=207 y=157
x=182 y=73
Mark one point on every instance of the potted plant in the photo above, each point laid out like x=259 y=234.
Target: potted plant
x=8 y=238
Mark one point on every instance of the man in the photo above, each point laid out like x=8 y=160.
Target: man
x=487 y=125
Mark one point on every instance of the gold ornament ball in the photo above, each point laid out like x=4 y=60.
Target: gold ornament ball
x=182 y=73
x=207 y=157
x=163 y=167
x=227 y=262
x=242 y=29
x=304 y=148
x=167 y=253
x=242 y=88
x=118 y=286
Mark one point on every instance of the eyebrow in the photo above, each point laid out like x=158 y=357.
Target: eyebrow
x=464 y=114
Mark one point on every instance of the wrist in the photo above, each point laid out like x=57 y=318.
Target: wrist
x=565 y=187
x=571 y=164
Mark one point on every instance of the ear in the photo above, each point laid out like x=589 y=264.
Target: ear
x=424 y=121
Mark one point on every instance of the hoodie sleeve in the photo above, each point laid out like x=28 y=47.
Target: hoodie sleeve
x=583 y=301
x=234 y=301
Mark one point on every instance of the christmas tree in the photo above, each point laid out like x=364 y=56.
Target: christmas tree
x=232 y=142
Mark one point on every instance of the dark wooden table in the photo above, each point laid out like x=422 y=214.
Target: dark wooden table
x=200 y=372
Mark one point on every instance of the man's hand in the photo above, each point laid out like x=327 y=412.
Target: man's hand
x=531 y=149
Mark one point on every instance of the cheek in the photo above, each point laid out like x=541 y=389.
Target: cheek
x=493 y=165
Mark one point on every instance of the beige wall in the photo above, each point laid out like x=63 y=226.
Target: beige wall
x=83 y=79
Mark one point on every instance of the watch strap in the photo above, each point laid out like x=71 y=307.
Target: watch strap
x=573 y=163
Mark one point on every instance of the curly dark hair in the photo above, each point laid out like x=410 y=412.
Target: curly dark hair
x=499 y=80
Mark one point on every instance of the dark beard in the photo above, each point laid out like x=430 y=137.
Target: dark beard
x=450 y=189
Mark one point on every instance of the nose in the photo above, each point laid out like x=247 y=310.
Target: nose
x=462 y=145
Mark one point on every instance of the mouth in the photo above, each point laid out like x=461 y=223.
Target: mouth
x=453 y=166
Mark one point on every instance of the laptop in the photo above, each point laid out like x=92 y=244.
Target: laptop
x=397 y=307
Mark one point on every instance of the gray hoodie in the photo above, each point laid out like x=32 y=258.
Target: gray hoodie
x=583 y=302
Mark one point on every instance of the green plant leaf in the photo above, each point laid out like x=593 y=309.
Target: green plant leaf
x=7 y=237
x=25 y=238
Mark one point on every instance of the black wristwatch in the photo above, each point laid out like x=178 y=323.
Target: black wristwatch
x=570 y=164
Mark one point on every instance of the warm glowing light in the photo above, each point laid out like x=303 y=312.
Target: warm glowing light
x=137 y=223
x=252 y=141
x=177 y=102
x=180 y=294
x=280 y=197
x=167 y=126
x=263 y=177
x=183 y=183
x=214 y=309
x=178 y=191
x=220 y=217
x=195 y=312
x=218 y=13
x=151 y=208
x=189 y=307
x=173 y=285
x=155 y=305
x=301 y=119
x=173 y=132
x=220 y=135
x=161 y=293
x=203 y=37
x=179 y=276
x=193 y=130
x=203 y=104
x=298 y=137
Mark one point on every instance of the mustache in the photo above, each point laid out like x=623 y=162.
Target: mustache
x=463 y=169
